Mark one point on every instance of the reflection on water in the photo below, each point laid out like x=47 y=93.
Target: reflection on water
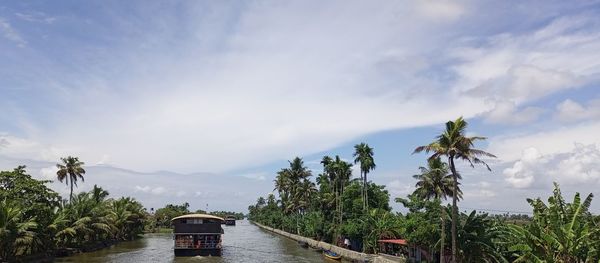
x=242 y=243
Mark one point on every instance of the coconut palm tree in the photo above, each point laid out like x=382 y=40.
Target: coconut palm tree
x=435 y=182
x=70 y=170
x=363 y=154
x=455 y=145
x=98 y=194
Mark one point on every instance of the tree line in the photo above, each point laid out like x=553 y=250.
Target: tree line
x=333 y=205
x=162 y=216
x=35 y=222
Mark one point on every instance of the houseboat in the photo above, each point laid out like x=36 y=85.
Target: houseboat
x=230 y=221
x=197 y=235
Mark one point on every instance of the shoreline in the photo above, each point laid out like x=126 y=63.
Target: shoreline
x=345 y=253
x=52 y=255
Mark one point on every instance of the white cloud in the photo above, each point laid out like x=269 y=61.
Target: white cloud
x=180 y=193
x=524 y=67
x=144 y=189
x=581 y=165
x=17 y=147
x=571 y=111
x=104 y=160
x=506 y=112
x=255 y=176
x=523 y=172
x=398 y=188
x=49 y=173
x=440 y=10
x=158 y=190
x=550 y=141
x=10 y=33
x=36 y=17
x=269 y=92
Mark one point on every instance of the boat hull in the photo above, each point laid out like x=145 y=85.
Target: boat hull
x=331 y=255
x=197 y=252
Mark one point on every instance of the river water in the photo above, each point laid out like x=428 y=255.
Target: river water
x=241 y=243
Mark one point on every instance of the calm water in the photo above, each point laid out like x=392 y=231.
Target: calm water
x=242 y=243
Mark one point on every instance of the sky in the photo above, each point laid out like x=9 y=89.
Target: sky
x=204 y=101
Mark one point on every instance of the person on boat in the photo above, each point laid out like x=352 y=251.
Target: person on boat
x=347 y=243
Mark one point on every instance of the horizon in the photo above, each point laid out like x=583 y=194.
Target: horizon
x=224 y=94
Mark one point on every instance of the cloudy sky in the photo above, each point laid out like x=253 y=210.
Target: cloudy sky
x=203 y=101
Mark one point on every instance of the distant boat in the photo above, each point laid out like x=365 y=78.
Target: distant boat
x=331 y=255
x=230 y=221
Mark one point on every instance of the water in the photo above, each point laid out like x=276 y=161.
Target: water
x=241 y=243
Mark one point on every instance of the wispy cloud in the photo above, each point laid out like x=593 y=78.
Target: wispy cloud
x=10 y=33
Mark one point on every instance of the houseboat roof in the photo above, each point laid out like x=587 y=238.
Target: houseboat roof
x=393 y=241
x=198 y=216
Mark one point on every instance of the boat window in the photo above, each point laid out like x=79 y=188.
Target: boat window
x=194 y=221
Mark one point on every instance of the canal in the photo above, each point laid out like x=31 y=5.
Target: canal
x=241 y=243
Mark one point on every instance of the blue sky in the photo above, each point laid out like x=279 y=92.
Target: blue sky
x=231 y=90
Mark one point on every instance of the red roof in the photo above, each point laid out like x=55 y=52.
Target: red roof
x=393 y=241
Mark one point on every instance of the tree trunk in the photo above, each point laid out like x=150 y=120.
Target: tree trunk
x=366 y=189
x=71 y=195
x=454 y=208
x=442 y=236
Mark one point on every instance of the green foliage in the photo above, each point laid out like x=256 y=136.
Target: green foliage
x=17 y=232
x=163 y=216
x=34 y=219
x=335 y=208
x=421 y=224
x=559 y=232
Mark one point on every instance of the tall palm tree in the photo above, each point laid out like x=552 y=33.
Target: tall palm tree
x=454 y=144
x=363 y=154
x=342 y=172
x=435 y=182
x=69 y=171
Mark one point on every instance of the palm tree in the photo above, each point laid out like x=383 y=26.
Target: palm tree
x=98 y=194
x=69 y=171
x=17 y=233
x=341 y=172
x=435 y=182
x=454 y=144
x=364 y=154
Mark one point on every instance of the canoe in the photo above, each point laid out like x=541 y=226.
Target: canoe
x=331 y=255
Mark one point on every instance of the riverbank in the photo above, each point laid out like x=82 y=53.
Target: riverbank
x=345 y=253
x=51 y=256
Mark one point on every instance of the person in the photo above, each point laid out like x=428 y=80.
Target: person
x=347 y=243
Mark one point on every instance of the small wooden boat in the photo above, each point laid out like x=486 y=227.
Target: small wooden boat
x=331 y=255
